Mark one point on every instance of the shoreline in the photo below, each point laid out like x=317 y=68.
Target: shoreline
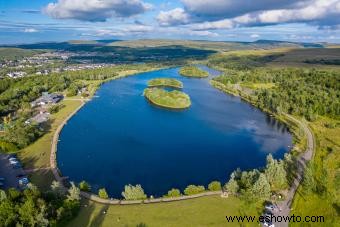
x=93 y=197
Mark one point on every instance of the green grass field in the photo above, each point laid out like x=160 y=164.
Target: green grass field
x=168 y=99
x=37 y=155
x=193 y=71
x=204 y=211
x=327 y=161
x=165 y=82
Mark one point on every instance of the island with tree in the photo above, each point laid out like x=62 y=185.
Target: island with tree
x=193 y=71
x=165 y=82
x=168 y=99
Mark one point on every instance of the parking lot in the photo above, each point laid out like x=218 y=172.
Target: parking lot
x=11 y=175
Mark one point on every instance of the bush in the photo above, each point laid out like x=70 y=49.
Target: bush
x=215 y=186
x=193 y=189
x=103 y=194
x=84 y=186
x=174 y=193
x=133 y=192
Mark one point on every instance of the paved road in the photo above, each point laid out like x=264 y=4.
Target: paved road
x=302 y=161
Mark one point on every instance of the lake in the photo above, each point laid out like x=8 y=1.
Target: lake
x=118 y=138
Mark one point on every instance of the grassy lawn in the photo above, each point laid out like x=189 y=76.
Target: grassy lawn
x=37 y=155
x=205 y=211
x=193 y=71
x=168 y=99
x=327 y=161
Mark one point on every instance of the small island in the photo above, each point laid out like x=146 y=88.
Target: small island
x=165 y=82
x=168 y=99
x=193 y=71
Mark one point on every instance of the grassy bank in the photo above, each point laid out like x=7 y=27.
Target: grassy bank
x=165 y=82
x=326 y=171
x=168 y=99
x=324 y=200
x=205 y=211
x=193 y=71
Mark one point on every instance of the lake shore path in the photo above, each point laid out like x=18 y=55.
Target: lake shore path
x=303 y=159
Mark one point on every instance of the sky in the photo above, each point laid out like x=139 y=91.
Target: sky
x=29 y=21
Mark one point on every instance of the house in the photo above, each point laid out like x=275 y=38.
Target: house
x=16 y=74
x=40 y=118
x=47 y=98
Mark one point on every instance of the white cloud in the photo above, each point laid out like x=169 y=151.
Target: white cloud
x=173 y=17
x=230 y=8
x=254 y=36
x=95 y=10
x=30 y=30
x=317 y=12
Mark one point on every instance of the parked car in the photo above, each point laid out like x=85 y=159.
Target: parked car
x=21 y=175
x=270 y=207
x=269 y=224
x=1 y=184
x=12 y=159
x=13 y=162
x=12 y=156
x=2 y=179
x=23 y=181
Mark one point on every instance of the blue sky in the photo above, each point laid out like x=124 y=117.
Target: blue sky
x=27 y=21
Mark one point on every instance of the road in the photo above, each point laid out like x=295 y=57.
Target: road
x=302 y=161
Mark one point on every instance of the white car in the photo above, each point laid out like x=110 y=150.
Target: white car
x=269 y=224
x=270 y=207
x=12 y=159
x=14 y=162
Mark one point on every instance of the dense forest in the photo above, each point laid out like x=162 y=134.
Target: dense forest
x=301 y=91
x=33 y=208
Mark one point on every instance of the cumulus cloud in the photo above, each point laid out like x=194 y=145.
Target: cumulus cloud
x=95 y=10
x=231 y=8
x=173 y=17
x=317 y=12
x=254 y=36
x=30 y=30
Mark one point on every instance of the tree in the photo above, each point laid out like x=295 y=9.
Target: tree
x=3 y=195
x=215 y=186
x=73 y=193
x=174 y=193
x=133 y=192
x=84 y=186
x=103 y=194
x=309 y=181
x=193 y=189
x=57 y=188
x=261 y=188
x=232 y=186
x=276 y=174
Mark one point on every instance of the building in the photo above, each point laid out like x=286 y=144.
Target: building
x=46 y=99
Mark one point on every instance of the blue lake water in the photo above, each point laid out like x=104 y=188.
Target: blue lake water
x=118 y=138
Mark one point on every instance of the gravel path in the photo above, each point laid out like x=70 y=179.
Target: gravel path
x=302 y=161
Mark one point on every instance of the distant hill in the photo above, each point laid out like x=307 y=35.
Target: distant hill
x=104 y=45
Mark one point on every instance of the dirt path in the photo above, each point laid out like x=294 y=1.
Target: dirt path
x=302 y=161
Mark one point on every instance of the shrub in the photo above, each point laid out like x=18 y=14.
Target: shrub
x=102 y=193
x=174 y=193
x=84 y=186
x=215 y=186
x=133 y=192
x=193 y=189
